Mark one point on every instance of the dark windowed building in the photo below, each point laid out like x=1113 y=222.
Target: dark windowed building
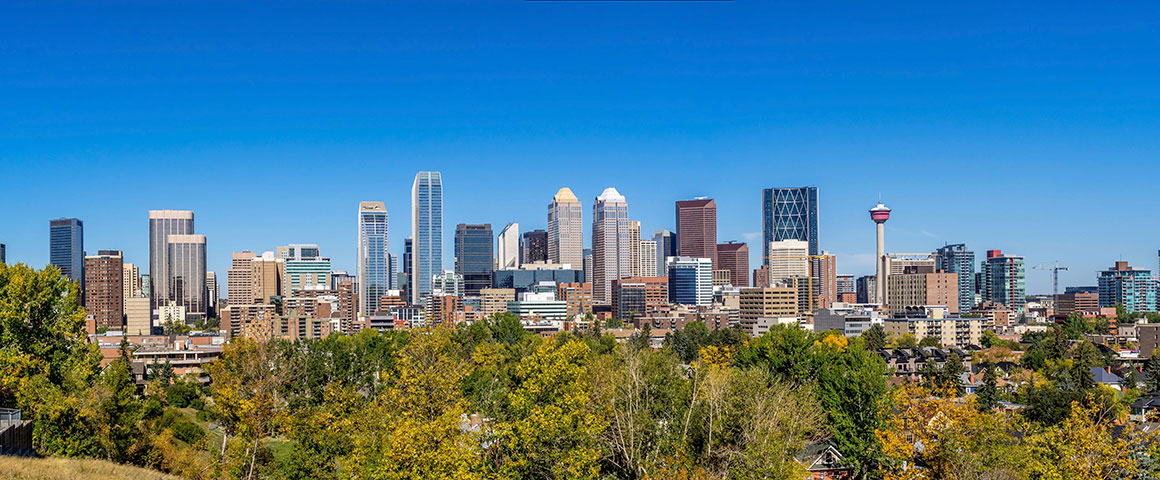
x=474 y=257
x=789 y=214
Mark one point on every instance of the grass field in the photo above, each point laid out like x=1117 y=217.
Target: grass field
x=70 y=468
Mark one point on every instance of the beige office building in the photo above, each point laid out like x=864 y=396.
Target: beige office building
x=788 y=259
x=239 y=283
x=138 y=318
x=268 y=277
x=768 y=302
x=130 y=280
x=611 y=239
x=495 y=300
x=565 y=230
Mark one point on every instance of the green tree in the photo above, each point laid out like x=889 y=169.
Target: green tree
x=987 y=395
x=1152 y=374
x=950 y=375
x=875 y=337
x=929 y=342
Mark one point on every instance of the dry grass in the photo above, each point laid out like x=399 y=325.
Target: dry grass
x=70 y=468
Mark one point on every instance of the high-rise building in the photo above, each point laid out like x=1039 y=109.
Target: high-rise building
x=578 y=297
x=588 y=275
x=1077 y=300
x=866 y=289
x=690 y=280
x=495 y=300
x=647 y=259
x=846 y=284
x=408 y=256
x=104 y=291
x=426 y=231
x=565 y=229
x=130 y=281
x=958 y=260
x=787 y=259
x=306 y=268
x=666 y=247
x=909 y=290
x=535 y=246
x=824 y=270
x=1134 y=288
x=789 y=214
x=474 y=257
x=211 y=293
x=1003 y=280
x=186 y=271
x=697 y=229
x=3 y=253
x=633 y=248
x=162 y=224
x=392 y=272
x=508 y=247
x=138 y=318
x=639 y=296
x=239 y=279
x=734 y=257
x=66 y=248
x=447 y=283
x=610 y=243
x=373 y=244
x=267 y=278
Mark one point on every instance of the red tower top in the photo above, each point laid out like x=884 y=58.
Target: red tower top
x=880 y=213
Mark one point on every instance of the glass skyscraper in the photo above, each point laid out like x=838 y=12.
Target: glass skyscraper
x=690 y=280
x=426 y=232
x=1003 y=281
x=373 y=260
x=66 y=248
x=474 y=257
x=185 y=265
x=162 y=224
x=1131 y=287
x=957 y=259
x=789 y=214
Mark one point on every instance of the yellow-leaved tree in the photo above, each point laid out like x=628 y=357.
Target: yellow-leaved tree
x=1085 y=445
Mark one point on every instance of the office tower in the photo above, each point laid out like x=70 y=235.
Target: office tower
x=162 y=224
x=768 y=302
x=588 y=265
x=268 y=278
x=66 y=248
x=392 y=272
x=639 y=296
x=495 y=300
x=1077 y=300
x=345 y=287
x=3 y=254
x=474 y=259
x=408 y=254
x=372 y=256
x=846 y=284
x=508 y=247
x=824 y=273
x=787 y=259
x=130 y=281
x=447 y=282
x=147 y=287
x=535 y=246
x=138 y=318
x=1003 y=280
x=734 y=257
x=958 y=260
x=866 y=289
x=690 y=280
x=185 y=268
x=666 y=247
x=1132 y=287
x=789 y=214
x=697 y=229
x=565 y=229
x=239 y=279
x=610 y=243
x=211 y=293
x=910 y=290
x=426 y=231
x=577 y=296
x=104 y=291
x=647 y=266
x=306 y=268
x=880 y=214
x=761 y=277
x=634 y=248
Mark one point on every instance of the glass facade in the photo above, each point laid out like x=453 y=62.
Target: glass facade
x=690 y=281
x=373 y=260
x=789 y=214
x=186 y=270
x=474 y=257
x=426 y=232
x=66 y=248
x=1132 y=287
x=957 y=259
x=1003 y=281
x=525 y=280
x=162 y=224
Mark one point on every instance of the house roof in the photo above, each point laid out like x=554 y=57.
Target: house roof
x=1105 y=377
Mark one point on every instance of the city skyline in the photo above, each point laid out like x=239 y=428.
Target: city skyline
x=862 y=104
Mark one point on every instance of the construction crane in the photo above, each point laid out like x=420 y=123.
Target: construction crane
x=1054 y=278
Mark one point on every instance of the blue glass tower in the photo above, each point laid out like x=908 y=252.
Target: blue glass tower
x=1131 y=287
x=789 y=214
x=373 y=259
x=474 y=257
x=66 y=248
x=957 y=259
x=426 y=232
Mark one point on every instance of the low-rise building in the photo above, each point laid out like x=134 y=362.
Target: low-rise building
x=950 y=331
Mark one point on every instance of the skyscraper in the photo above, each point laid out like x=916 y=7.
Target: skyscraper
x=734 y=257
x=535 y=246
x=372 y=256
x=130 y=281
x=392 y=272
x=104 y=290
x=634 y=262
x=508 y=247
x=474 y=257
x=185 y=268
x=211 y=296
x=648 y=259
x=239 y=279
x=697 y=229
x=1131 y=287
x=957 y=259
x=610 y=243
x=565 y=229
x=162 y=224
x=66 y=248
x=787 y=259
x=666 y=247
x=1003 y=280
x=306 y=267
x=426 y=232
x=3 y=254
x=789 y=214
x=690 y=280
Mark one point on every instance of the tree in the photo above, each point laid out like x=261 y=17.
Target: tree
x=987 y=395
x=1084 y=445
x=930 y=342
x=950 y=376
x=1152 y=374
x=247 y=384
x=117 y=408
x=875 y=337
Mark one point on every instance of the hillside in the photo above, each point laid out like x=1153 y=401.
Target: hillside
x=70 y=468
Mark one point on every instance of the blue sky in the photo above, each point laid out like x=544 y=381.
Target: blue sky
x=1022 y=126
